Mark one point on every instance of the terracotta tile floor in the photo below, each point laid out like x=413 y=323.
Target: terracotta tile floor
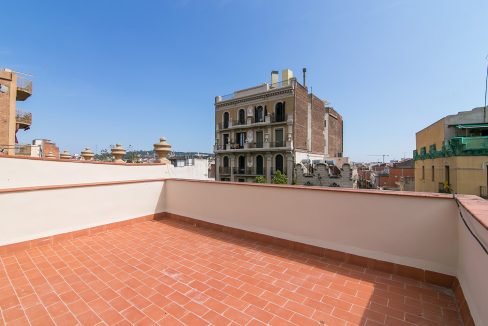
x=171 y=273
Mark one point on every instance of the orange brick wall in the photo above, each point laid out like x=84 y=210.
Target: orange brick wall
x=318 y=115
x=300 y=123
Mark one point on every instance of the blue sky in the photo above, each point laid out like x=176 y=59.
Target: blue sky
x=131 y=71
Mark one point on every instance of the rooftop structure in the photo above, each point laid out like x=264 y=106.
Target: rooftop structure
x=142 y=252
x=271 y=127
x=14 y=87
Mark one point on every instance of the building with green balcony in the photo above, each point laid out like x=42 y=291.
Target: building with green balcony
x=451 y=155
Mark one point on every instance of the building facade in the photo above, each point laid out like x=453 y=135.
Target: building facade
x=397 y=176
x=452 y=154
x=14 y=87
x=271 y=127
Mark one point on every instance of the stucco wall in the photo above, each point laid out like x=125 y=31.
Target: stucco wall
x=466 y=174
x=19 y=172
x=35 y=214
x=414 y=231
x=433 y=134
x=473 y=266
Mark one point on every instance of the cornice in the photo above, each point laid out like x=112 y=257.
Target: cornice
x=250 y=98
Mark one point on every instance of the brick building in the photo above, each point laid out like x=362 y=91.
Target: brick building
x=399 y=176
x=271 y=127
x=44 y=147
x=14 y=87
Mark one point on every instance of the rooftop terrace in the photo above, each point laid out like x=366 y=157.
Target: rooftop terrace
x=172 y=272
x=173 y=251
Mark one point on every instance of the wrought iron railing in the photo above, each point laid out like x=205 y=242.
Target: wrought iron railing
x=224 y=169
x=277 y=144
x=244 y=170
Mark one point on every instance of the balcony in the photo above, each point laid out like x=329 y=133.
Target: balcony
x=457 y=146
x=253 y=147
x=138 y=251
x=24 y=119
x=252 y=123
x=224 y=169
x=24 y=88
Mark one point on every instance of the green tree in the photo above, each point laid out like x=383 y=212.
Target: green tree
x=280 y=178
x=260 y=179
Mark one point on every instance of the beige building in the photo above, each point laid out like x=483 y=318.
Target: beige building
x=271 y=127
x=13 y=87
x=452 y=154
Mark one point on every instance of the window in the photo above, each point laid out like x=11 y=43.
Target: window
x=259 y=165
x=226 y=161
x=259 y=139
x=226 y=120
x=325 y=123
x=279 y=163
x=258 y=114
x=242 y=117
x=423 y=173
x=279 y=138
x=242 y=164
x=433 y=173
x=241 y=139
x=226 y=140
x=280 y=111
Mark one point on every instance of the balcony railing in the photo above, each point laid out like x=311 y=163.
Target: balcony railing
x=253 y=145
x=243 y=170
x=277 y=144
x=250 y=121
x=23 y=118
x=224 y=169
x=457 y=146
x=24 y=88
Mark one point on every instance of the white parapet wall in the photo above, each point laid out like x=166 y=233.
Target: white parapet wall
x=414 y=229
x=26 y=172
x=36 y=213
x=473 y=265
x=410 y=230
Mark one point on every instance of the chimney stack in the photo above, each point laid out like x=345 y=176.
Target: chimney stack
x=274 y=77
x=304 y=77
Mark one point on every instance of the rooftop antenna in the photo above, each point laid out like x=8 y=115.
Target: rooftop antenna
x=486 y=88
x=383 y=155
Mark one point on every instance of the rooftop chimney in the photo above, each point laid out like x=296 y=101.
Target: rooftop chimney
x=274 y=77
x=286 y=75
x=304 y=77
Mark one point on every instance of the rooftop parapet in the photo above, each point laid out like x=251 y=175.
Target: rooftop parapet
x=255 y=90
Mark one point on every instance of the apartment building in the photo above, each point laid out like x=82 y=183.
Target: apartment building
x=452 y=154
x=14 y=87
x=271 y=127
